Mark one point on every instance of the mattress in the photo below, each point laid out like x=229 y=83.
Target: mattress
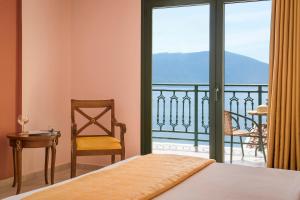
x=226 y=182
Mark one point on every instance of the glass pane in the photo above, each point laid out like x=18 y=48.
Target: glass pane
x=247 y=35
x=180 y=77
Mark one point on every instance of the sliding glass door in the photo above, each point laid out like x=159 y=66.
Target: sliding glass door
x=179 y=86
x=247 y=38
x=183 y=59
x=180 y=79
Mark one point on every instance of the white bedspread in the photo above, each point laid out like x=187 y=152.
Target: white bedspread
x=232 y=182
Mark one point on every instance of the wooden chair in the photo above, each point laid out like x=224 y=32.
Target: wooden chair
x=87 y=145
x=238 y=132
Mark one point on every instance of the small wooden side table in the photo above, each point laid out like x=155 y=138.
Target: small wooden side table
x=43 y=140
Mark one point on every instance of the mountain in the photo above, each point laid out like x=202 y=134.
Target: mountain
x=194 y=68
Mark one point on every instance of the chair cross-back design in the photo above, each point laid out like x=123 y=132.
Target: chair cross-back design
x=77 y=106
x=86 y=145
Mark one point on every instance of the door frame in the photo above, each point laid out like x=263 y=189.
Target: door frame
x=216 y=147
x=216 y=76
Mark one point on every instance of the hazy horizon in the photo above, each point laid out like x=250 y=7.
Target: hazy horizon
x=186 y=29
x=208 y=52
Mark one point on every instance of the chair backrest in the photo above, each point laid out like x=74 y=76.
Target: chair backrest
x=227 y=123
x=108 y=105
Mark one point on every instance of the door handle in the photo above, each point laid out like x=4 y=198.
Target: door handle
x=217 y=94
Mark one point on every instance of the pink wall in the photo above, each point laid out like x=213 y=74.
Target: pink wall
x=8 y=81
x=83 y=49
x=106 y=59
x=46 y=74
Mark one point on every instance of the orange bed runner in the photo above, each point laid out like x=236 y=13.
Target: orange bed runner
x=142 y=178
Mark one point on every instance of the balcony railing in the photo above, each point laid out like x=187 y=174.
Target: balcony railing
x=180 y=112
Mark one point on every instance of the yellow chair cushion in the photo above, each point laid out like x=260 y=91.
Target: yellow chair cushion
x=97 y=143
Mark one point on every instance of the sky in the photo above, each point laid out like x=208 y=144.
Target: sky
x=186 y=29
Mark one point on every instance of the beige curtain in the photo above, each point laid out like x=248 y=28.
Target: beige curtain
x=284 y=86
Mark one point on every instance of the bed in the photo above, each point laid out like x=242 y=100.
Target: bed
x=219 y=181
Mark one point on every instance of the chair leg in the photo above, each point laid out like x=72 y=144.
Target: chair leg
x=265 y=158
x=256 y=149
x=113 y=159
x=231 y=148
x=242 y=146
x=262 y=146
x=73 y=164
x=123 y=154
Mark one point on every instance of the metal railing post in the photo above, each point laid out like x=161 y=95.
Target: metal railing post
x=259 y=116
x=196 y=119
x=259 y=94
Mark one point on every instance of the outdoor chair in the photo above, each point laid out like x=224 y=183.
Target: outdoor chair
x=258 y=139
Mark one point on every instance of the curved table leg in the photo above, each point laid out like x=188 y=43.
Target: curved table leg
x=53 y=156
x=19 y=166
x=15 y=166
x=46 y=164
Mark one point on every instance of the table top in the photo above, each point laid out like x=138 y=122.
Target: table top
x=27 y=136
x=255 y=112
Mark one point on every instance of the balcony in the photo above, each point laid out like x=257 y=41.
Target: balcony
x=180 y=119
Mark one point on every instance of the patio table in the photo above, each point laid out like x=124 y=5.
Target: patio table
x=260 y=114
